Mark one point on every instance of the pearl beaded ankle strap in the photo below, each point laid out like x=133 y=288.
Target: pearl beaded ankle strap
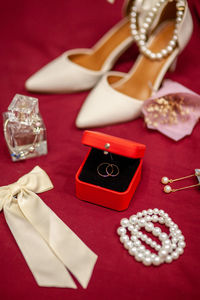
x=172 y=244
x=140 y=34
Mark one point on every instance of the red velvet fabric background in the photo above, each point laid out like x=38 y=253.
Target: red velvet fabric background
x=33 y=33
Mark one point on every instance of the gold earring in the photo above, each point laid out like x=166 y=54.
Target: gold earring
x=168 y=189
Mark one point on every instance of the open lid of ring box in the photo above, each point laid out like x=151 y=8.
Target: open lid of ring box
x=112 y=165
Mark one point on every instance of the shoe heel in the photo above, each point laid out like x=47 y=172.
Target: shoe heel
x=172 y=68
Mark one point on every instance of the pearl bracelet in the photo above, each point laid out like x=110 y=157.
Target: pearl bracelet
x=172 y=244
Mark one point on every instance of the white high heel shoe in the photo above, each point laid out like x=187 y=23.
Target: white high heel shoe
x=80 y=69
x=118 y=97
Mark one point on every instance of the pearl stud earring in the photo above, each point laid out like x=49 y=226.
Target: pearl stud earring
x=168 y=189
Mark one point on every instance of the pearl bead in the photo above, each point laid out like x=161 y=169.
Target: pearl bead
x=144 y=237
x=151 y=14
x=137 y=243
x=181 y=238
x=133 y=26
x=142 y=222
x=149 y=227
x=162 y=253
x=146 y=25
x=163 y=236
x=180 y=13
x=156 y=231
x=124 y=238
x=169 y=49
x=161 y=212
x=164 y=180
x=157 y=261
x=167 y=189
x=171 y=223
x=147 y=261
x=159 y=56
x=156 y=210
x=176 y=32
x=175 y=38
x=167 y=242
x=148 y=20
x=153 y=244
x=121 y=231
x=155 y=218
x=130 y=227
x=141 y=248
x=144 y=212
x=172 y=229
x=139 y=215
x=168 y=222
x=124 y=222
x=152 y=55
x=136 y=37
x=150 y=211
x=158 y=247
x=133 y=14
x=133 y=219
x=147 y=52
x=167 y=248
x=154 y=9
x=134 y=32
x=148 y=241
x=132 y=251
x=180 y=250
x=174 y=240
x=181 y=244
x=139 y=256
x=143 y=31
x=147 y=218
x=178 y=20
x=134 y=231
x=172 y=43
x=128 y=244
x=175 y=255
x=161 y=220
x=134 y=238
x=173 y=246
x=134 y=8
x=141 y=43
x=153 y=255
x=143 y=37
x=168 y=259
x=147 y=252
x=143 y=49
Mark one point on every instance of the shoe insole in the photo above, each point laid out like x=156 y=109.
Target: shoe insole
x=146 y=72
x=96 y=60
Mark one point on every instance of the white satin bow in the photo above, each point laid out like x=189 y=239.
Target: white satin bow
x=46 y=243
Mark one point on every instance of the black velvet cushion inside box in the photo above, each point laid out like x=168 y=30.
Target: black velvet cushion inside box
x=127 y=168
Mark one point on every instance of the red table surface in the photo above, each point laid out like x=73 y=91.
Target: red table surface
x=33 y=33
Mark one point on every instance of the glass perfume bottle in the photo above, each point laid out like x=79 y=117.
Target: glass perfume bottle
x=24 y=129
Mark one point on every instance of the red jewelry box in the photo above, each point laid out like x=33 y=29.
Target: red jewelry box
x=107 y=157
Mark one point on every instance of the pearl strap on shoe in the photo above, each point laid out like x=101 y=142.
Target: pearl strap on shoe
x=172 y=244
x=140 y=34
